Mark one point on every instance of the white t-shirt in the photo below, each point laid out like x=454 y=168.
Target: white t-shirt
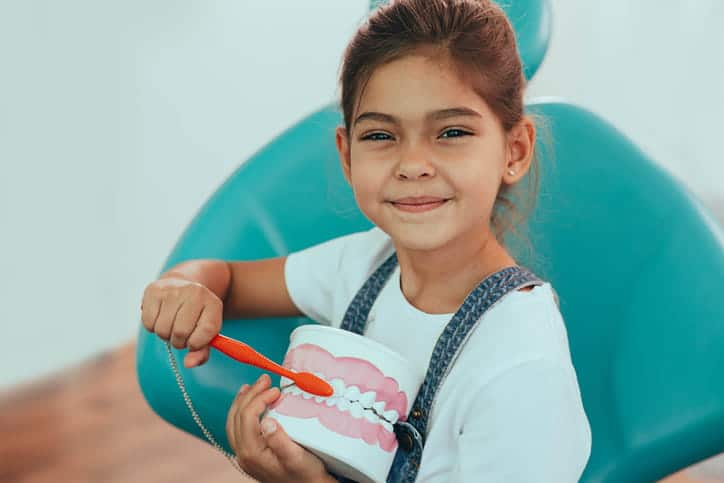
x=510 y=409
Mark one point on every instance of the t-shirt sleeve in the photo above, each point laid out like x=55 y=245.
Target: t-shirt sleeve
x=527 y=424
x=323 y=279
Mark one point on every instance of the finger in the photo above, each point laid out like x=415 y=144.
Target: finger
x=253 y=412
x=260 y=385
x=196 y=358
x=231 y=429
x=244 y=396
x=207 y=327
x=150 y=308
x=230 y=419
x=230 y=424
x=184 y=323
x=164 y=321
x=293 y=457
x=247 y=421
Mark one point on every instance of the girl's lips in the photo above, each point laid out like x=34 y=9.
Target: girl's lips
x=418 y=207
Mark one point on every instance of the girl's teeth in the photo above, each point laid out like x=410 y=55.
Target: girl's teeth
x=331 y=401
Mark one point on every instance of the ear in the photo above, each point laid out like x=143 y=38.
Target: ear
x=520 y=149
x=343 y=149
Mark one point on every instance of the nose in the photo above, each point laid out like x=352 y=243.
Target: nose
x=414 y=163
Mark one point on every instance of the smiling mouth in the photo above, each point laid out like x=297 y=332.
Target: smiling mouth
x=418 y=207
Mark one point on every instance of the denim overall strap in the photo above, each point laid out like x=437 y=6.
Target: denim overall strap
x=411 y=433
x=355 y=318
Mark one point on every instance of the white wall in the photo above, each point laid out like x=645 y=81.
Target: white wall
x=656 y=69
x=118 y=119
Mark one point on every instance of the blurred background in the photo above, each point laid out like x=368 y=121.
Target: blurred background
x=119 y=119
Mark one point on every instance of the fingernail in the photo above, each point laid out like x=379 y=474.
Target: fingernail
x=268 y=427
x=242 y=388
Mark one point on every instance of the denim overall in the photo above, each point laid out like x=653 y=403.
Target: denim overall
x=411 y=433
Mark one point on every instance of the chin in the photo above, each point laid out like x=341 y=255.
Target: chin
x=418 y=237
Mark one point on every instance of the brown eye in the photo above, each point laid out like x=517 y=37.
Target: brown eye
x=376 y=136
x=455 y=133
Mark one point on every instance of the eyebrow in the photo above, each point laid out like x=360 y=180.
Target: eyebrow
x=433 y=115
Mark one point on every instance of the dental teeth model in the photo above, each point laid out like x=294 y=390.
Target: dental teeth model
x=351 y=431
x=352 y=400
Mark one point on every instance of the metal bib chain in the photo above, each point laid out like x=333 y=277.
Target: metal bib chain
x=195 y=415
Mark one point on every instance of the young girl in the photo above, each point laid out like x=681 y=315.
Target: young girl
x=434 y=138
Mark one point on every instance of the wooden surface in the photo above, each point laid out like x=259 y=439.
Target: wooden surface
x=90 y=424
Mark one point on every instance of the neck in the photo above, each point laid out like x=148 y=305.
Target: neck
x=437 y=281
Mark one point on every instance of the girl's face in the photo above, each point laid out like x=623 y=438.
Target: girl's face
x=426 y=155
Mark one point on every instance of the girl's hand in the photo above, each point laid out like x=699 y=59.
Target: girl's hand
x=185 y=312
x=263 y=448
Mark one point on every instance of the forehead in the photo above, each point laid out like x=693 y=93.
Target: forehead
x=416 y=84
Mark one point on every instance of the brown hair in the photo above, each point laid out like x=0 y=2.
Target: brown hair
x=479 y=40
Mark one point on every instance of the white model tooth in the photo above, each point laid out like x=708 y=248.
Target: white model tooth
x=356 y=411
x=379 y=407
x=319 y=375
x=343 y=404
x=386 y=425
x=367 y=399
x=352 y=393
x=391 y=416
x=331 y=401
x=371 y=417
x=283 y=381
x=306 y=395
x=318 y=398
x=295 y=390
x=338 y=386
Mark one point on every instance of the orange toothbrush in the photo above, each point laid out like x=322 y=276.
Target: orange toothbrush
x=306 y=381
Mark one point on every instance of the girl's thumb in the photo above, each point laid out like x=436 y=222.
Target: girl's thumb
x=197 y=357
x=286 y=450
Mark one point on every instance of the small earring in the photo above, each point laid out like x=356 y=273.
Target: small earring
x=511 y=172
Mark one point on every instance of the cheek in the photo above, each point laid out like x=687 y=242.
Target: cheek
x=478 y=186
x=367 y=183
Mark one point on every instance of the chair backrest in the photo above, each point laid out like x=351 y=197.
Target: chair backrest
x=634 y=258
x=638 y=264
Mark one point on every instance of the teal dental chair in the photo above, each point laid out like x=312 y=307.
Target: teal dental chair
x=636 y=260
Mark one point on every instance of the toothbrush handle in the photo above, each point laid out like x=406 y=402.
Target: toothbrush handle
x=245 y=354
